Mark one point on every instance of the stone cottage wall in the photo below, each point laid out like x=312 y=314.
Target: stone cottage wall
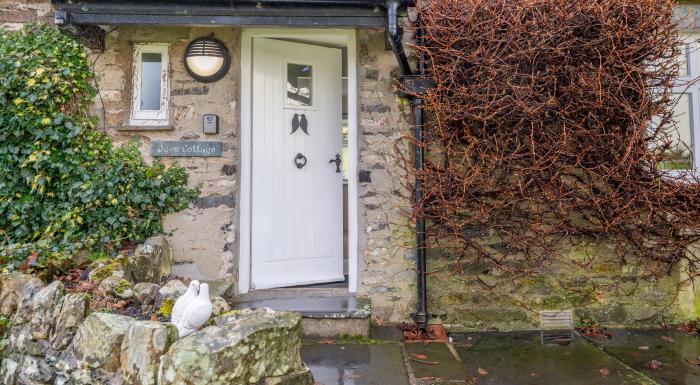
x=387 y=264
x=204 y=235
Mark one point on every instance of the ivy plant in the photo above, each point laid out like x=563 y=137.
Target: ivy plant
x=64 y=186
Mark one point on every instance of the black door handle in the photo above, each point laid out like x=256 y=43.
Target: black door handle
x=338 y=161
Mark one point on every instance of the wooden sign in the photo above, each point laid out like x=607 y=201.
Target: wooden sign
x=193 y=148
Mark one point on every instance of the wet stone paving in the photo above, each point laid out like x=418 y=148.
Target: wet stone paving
x=653 y=357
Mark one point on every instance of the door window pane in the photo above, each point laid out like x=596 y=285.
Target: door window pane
x=682 y=59
x=680 y=157
x=299 y=85
x=151 y=72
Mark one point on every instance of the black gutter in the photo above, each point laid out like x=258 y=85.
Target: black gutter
x=299 y=13
x=415 y=84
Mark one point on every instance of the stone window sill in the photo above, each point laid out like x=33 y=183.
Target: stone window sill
x=146 y=128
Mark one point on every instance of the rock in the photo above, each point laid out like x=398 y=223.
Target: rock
x=24 y=310
x=8 y=371
x=145 y=342
x=167 y=295
x=104 y=268
x=145 y=294
x=97 y=344
x=301 y=376
x=11 y=285
x=117 y=286
x=219 y=306
x=152 y=261
x=35 y=370
x=69 y=314
x=245 y=350
x=43 y=307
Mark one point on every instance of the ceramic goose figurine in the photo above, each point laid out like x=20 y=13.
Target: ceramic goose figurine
x=196 y=313
x=183 y=301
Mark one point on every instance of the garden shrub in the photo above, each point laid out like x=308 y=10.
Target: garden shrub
x=540 y=135
x=63 y=185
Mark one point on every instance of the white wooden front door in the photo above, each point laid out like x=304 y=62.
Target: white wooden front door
x=297 y=195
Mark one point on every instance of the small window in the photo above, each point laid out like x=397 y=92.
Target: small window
x=299 y=85
x=151 y=86
x=680 y=156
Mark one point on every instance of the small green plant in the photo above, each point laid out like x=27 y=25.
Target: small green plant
x=63 y=185
x=166 y=308
x=358 y=340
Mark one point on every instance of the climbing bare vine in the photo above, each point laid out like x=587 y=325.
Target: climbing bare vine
x=552 y=124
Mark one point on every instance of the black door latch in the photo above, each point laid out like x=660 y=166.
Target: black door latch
x=337 y=160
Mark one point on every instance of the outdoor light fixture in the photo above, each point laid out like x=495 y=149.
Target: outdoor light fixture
x=207 y=59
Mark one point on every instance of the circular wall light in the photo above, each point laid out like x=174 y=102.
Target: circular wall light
x=207 y=59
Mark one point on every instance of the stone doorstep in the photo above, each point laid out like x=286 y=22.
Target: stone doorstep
x=326 y=313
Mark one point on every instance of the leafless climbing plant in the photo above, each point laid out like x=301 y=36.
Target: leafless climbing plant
x=540 y=132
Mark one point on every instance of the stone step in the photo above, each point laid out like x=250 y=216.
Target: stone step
x=326 y=313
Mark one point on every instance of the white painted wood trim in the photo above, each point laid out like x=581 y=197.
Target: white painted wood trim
x=349 y=38
x=151 y=118
x=353 y=113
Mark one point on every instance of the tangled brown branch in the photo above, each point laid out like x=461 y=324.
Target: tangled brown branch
x=540 y=133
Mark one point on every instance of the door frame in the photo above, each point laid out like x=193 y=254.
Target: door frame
x=348 y=38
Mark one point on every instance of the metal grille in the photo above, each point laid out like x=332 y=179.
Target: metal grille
x=556 y=320
x=206 y=46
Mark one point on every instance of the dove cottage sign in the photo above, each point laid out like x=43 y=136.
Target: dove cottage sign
x=182 y=148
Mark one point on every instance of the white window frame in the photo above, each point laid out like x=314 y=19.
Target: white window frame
x=160 y=117
x=693 y=91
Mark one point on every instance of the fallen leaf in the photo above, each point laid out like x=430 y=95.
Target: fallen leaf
x=483 y=372
x=419 y=356
x=154 y=317
x=694 y=361
x=655 y=364
x=533 y=374
x=643 y=348
x=667 y=339
x=604 y=372
x=326 y=341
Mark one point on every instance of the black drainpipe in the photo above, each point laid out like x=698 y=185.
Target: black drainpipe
x=415 y=84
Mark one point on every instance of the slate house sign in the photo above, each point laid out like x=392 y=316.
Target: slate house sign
x=185 y=148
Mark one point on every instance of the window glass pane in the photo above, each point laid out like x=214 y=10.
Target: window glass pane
x=151 y=73
x=680 y=156
x=299 y=84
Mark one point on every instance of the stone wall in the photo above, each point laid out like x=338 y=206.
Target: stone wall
x=56 y=340
x=387 y=264
x=14 y=13
x=204 y=235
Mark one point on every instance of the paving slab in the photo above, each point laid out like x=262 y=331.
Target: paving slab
x=531 y=358
x=672 y=349
x=432 y=361
x=381 y=364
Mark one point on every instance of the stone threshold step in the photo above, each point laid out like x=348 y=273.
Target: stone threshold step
x=326 y=313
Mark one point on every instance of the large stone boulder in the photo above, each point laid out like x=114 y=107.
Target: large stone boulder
x=69 y=314
x=243 y=350
x=34 y=371
x=145 y=342
x=97 y=344
x=24 y=309
x=167 y=295
x=8 y=371
x=43 y=307
x=11 y=285
x=145 y=294
x=152 y=261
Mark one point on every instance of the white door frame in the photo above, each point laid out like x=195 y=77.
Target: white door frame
x=347 y=37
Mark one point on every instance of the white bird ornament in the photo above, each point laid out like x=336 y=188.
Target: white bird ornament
x=196 y=313
x=183 y=301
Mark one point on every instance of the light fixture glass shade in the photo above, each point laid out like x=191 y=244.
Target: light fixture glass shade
x=205 y=65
